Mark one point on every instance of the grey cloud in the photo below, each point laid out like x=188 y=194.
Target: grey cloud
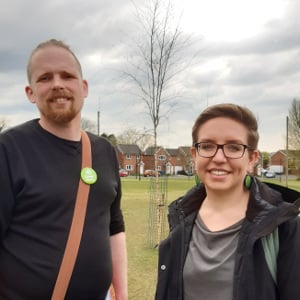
x=261 y=72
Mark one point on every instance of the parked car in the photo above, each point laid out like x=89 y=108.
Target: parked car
x=151 y=173
x=182 y=172
x=185 y=173
x=263 y=171
x=123 y=173
x=270 y=174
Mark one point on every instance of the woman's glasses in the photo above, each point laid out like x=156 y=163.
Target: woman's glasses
x=208 y=149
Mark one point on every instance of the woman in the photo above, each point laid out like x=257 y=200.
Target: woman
x=215 y=249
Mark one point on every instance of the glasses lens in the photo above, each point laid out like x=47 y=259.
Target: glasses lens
x=207 y=149
x=233 y=150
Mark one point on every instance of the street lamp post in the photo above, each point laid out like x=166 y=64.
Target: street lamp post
x=98 y=122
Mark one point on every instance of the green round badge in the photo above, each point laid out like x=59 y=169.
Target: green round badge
x=88 y=175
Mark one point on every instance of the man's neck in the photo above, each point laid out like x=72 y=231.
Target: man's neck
x=69 y=131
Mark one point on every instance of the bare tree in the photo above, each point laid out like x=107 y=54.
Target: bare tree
x=158 y=59
x=134 y=136
x=88 y=125
x=157 y=62
x=294 y=136
x=111 y=138
x=294 y=125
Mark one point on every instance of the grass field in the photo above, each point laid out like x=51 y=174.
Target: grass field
x=142 y=259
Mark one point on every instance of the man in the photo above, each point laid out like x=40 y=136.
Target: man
x=40 y=164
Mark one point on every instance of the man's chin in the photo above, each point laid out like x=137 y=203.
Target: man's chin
x=61 y=118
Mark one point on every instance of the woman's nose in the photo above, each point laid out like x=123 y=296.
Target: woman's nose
x=219 y=155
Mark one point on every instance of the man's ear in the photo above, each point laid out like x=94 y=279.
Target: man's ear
x=29 y=93
x=85 y=88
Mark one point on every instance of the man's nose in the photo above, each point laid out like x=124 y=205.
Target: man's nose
x=57 y=82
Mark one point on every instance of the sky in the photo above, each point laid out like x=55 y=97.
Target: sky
x=244 y=52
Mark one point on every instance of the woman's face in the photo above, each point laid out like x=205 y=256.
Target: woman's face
x=219 y=173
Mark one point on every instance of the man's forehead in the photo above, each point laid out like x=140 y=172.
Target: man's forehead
x=51 y=52
x=52 y=57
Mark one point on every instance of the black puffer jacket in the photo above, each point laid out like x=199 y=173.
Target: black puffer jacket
x=269 y=206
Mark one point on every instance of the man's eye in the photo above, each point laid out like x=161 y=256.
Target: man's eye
x=44 y=78
x=67 y=76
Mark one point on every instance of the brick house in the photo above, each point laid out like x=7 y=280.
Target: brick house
x=162 y=159
x=170 y=160
x=129 y=157
x=279 y=158
x=186 y=159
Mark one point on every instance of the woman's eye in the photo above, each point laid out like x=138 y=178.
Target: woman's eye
x=233 y=147
x=207 y=146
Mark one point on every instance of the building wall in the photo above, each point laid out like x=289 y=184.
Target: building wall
x=128 y=163
x=278 y=158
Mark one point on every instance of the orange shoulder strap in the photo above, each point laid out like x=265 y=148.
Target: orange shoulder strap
x=73 y=242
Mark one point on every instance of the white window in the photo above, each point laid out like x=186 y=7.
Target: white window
x=129 y=167
x=128 y=156
x=161 y=157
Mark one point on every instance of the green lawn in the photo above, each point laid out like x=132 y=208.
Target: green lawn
x=292 y=183
x=142 y=259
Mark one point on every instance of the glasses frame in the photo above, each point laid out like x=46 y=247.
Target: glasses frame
x=221 y=146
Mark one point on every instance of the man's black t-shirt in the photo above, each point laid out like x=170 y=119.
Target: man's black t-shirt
x=39 y=176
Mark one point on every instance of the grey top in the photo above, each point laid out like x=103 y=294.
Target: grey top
x=209 y=265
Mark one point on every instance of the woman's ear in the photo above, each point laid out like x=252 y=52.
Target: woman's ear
x=193 y=152
x=253 y=161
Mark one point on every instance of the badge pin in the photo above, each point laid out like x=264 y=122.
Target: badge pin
x=88 y=175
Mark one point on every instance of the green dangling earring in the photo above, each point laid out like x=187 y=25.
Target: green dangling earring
x=197 y=179
x=247 y=182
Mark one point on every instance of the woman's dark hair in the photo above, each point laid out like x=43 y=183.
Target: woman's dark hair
x=235 y=112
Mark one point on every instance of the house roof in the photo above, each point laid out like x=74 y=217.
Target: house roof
x=150 y=150
x=129 y=149
x=186 y=150
x=278 y=151
x=291 y=153
x=172 y=151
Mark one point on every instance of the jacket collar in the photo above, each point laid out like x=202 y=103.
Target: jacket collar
x=288 y=195
x=264 y=199
x=270 y=205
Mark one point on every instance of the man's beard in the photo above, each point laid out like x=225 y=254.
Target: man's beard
x=60 y=116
